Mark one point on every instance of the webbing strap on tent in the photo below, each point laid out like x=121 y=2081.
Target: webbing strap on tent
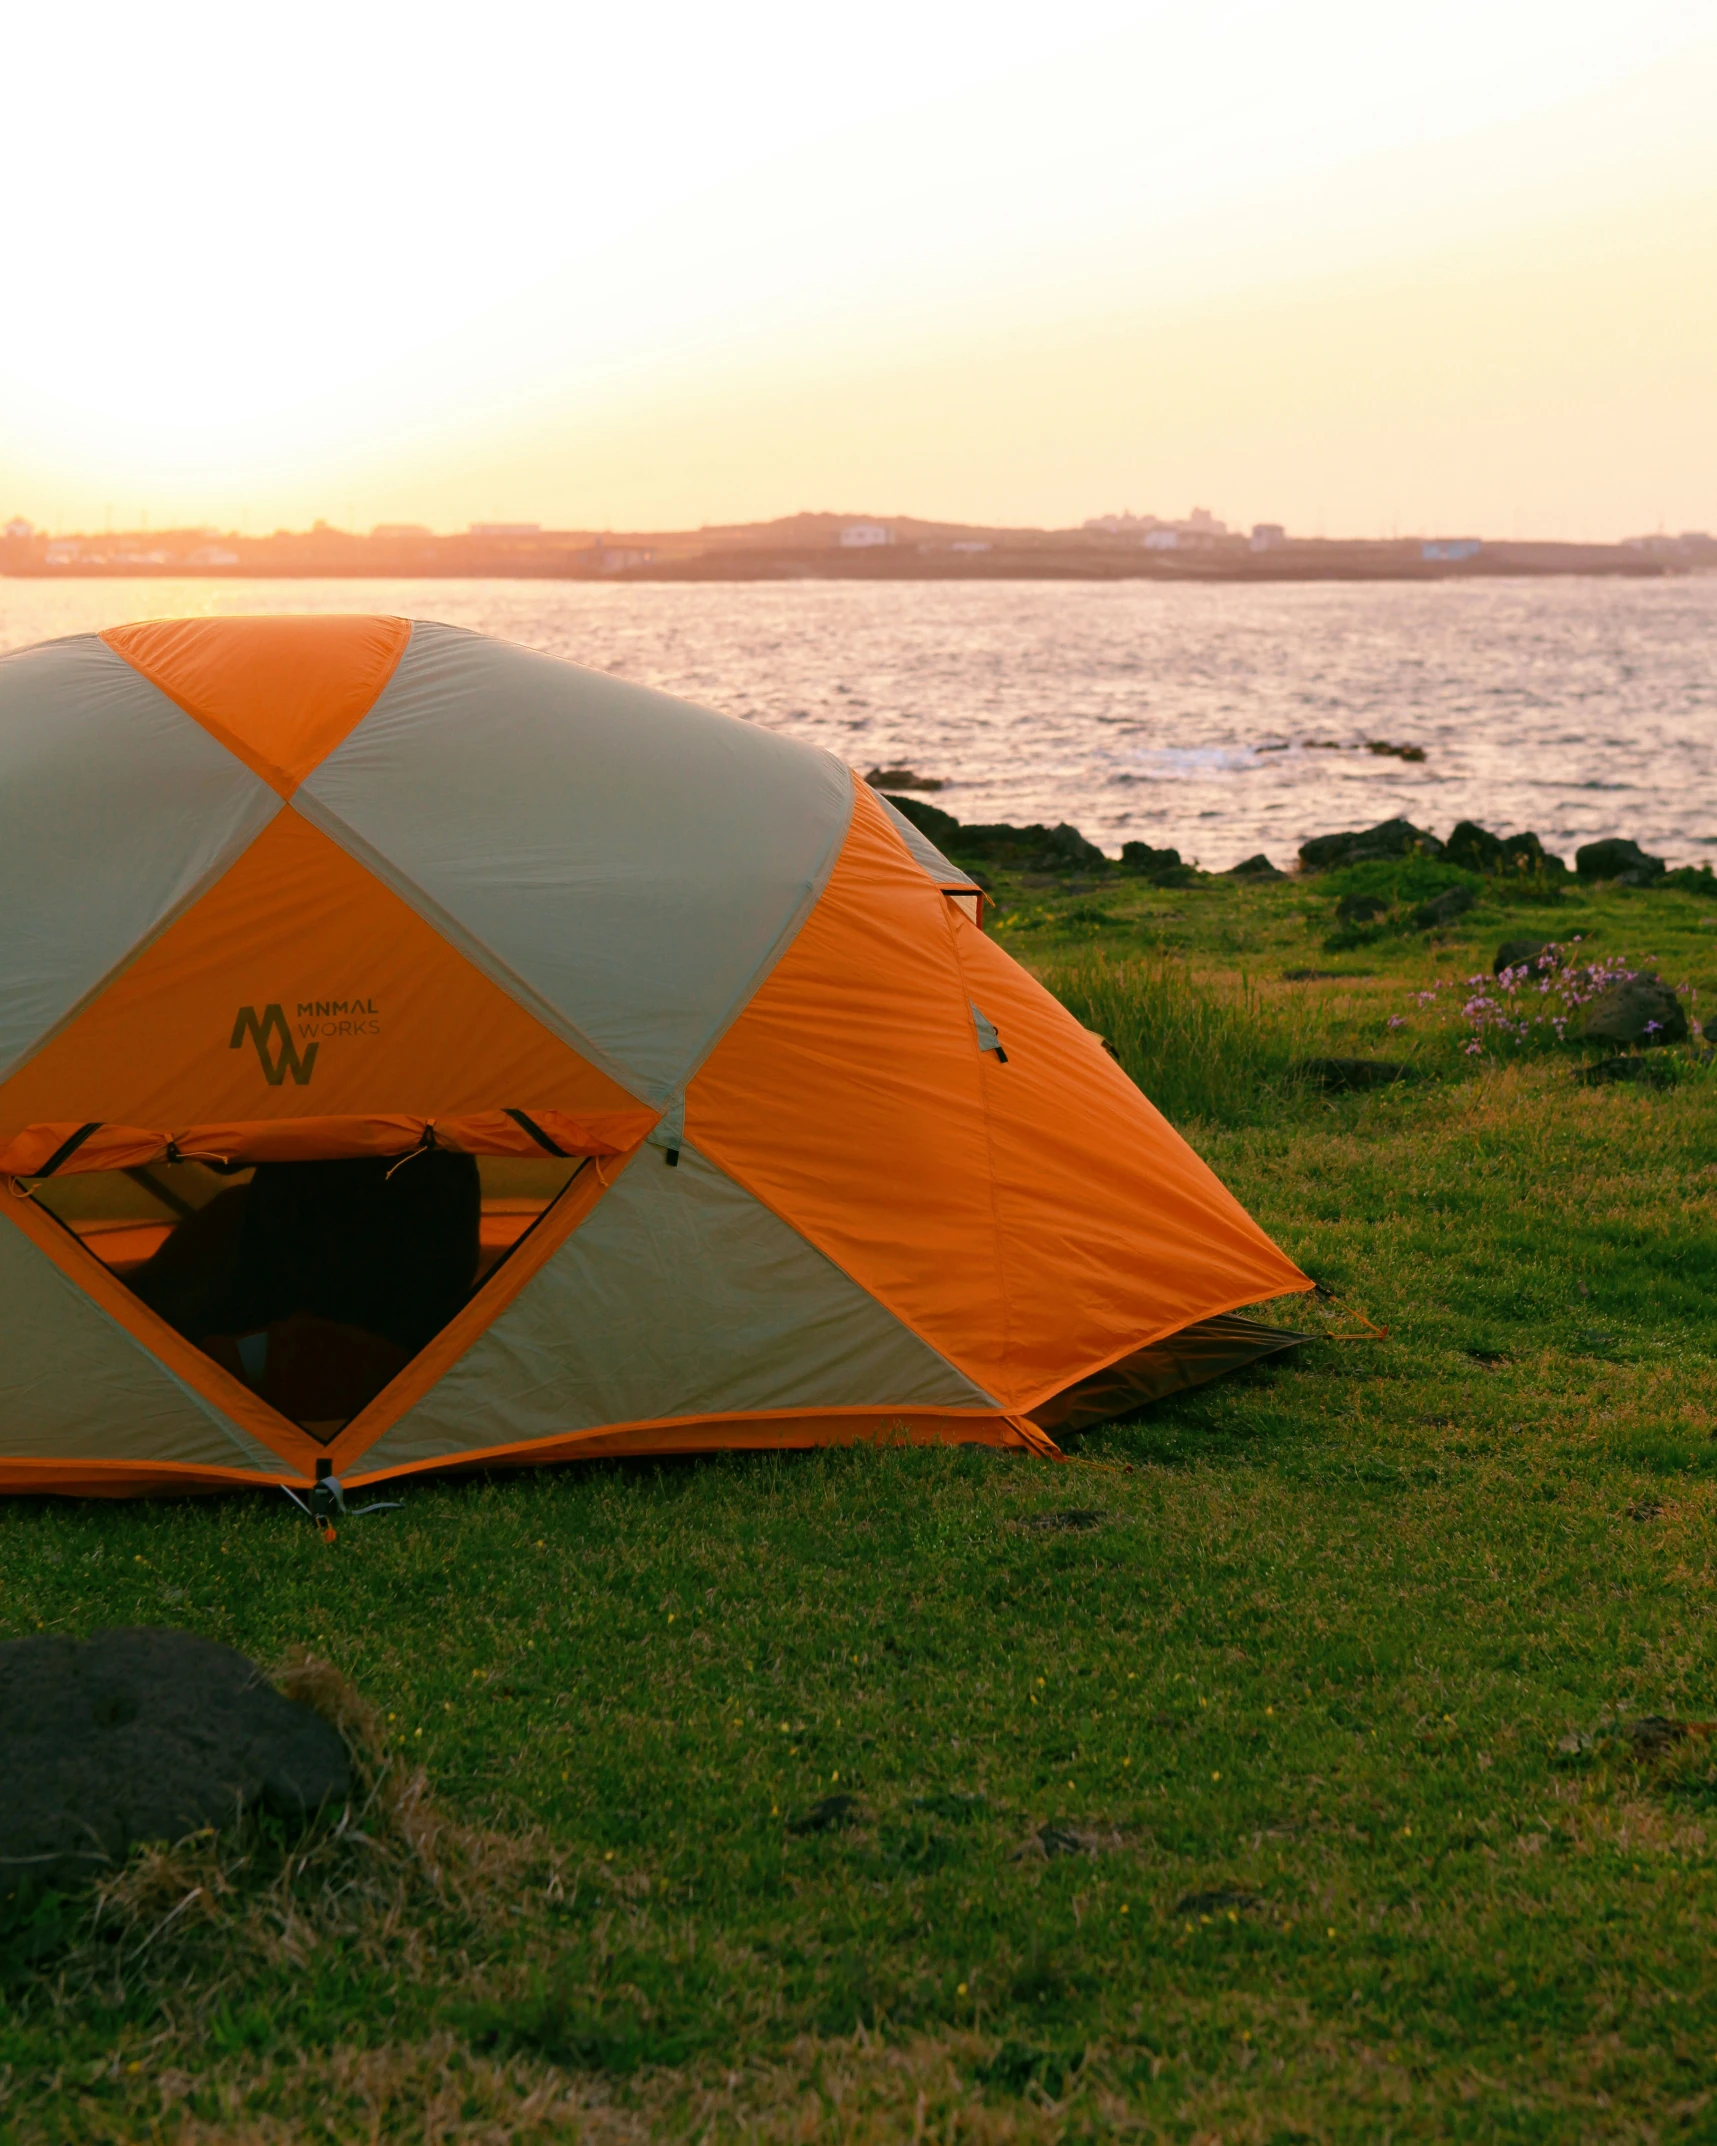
x=68 y=1148
x=536 y=1132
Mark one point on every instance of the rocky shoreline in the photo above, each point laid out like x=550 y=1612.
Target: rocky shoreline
x=1616 y=860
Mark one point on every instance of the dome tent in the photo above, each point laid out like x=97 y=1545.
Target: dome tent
x=814 y=1160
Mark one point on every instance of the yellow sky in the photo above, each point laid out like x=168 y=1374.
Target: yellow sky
x=1349 y=266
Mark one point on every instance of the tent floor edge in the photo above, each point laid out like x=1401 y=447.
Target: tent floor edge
x=134 y=1479
x=793 y=1431
x=1191 y=1356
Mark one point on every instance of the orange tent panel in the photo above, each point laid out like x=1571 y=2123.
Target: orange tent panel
x=1034 y=1219
x=279 y=692
x=1114 y=1232
x=848 y=1098
x=299 y=987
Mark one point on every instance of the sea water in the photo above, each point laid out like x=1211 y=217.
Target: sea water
x=1218 y=719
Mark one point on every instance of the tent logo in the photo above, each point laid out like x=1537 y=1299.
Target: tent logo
x=284 y=1059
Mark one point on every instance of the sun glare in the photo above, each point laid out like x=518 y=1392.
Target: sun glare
x=275 y=262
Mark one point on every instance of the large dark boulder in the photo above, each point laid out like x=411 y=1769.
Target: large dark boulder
x=1641 y=1010
x=1258 y=867
x=1034 y=848
x=1068 y=848
x=1348 y=1076
x=903 y=778
x=139 y=1735
x=1617 y=858
x=1478 y=850
x=1443 y=908
x=1360 y=908
x=941 y=827
x=1389 y=838
x=1646 y=1072
x=1157 y=864
x=1519 y=954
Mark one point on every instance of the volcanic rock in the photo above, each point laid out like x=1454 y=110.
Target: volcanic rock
x=1389 y=838
x=1360 y=908
x=942 y=827
x=902 y=778
x=1519 y=954
x=1641 y=1010
x=1068 y=848
x=1654 y=1072
x=1035 y=848
x=836 y=1810
x=1617 y=858
x=1162 y=865
x=1443 y=908
x=1258 y=867
x=1343 y=1076
x=1479 y=850
x=141 y=1734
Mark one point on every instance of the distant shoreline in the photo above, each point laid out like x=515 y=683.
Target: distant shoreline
x=823 y=547
x=822 y=566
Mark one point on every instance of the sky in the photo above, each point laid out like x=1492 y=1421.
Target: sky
x=1351 y=266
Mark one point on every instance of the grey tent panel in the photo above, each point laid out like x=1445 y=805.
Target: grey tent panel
x=627 y=865
x=924 y=851
x=75 y=1385
x=116 y=812
x=681 y=1295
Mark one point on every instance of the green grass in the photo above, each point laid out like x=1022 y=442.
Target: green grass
x=1322 y=1710
x=1205 y=1053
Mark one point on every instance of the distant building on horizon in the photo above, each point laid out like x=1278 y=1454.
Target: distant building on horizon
x=616 y=558
x=1267 y=535
x=1690 y=544
x=1451 y=547
x=20 y=530
x=1198 y=531
x=857 y=535
x=1126 y=523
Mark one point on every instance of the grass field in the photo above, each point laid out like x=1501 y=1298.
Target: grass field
x=1272 y=1770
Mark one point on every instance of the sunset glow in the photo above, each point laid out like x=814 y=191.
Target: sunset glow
x=1311 y=261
